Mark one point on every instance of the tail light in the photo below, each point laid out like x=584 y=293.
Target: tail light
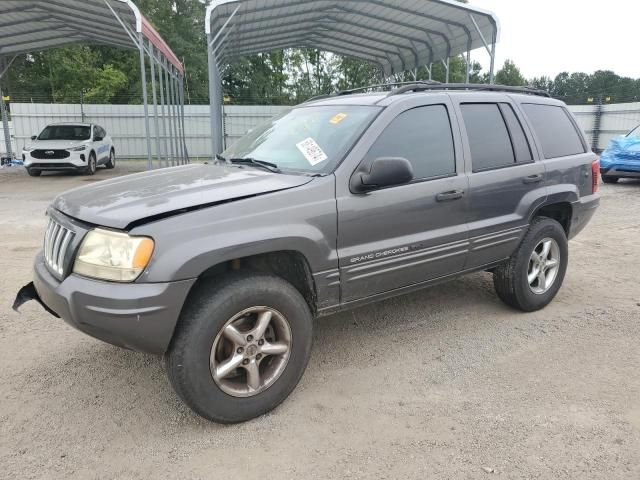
x=595 y=176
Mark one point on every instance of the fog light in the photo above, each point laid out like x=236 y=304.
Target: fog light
x=82 y=157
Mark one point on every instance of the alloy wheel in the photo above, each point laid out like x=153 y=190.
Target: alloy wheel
x=251 y=352
x=544 y=265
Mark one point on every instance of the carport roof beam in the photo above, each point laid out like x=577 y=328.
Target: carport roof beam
x=396 y=35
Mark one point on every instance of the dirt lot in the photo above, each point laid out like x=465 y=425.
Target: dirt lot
x=446 y=383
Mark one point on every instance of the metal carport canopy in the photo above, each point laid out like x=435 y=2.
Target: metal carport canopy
x=396 y=35
x=34 y=25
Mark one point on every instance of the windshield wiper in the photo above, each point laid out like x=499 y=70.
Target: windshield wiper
x=272 y=167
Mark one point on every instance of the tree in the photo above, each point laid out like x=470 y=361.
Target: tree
x=509 y=74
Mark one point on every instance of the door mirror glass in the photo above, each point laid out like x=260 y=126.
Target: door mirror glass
x=384 y=172
x=33 y=137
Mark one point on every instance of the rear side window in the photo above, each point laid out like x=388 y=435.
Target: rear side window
x=489 y=138
x=518 y=138
x=423 y=136
x=555 y=130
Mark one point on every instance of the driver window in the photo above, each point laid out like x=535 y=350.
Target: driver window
x=423 y=136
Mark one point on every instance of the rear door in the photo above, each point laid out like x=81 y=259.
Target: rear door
x=506 y=181
x=402 y=236
x=101 y=144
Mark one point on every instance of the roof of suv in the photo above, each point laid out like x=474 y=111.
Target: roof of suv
x=385 y=98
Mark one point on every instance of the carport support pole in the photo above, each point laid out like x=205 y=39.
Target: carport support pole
x=5 y=117
x=174 y=125
x=184 y=130
x=163 y=111
x=152 y=61
x=169 y=119
x=493 y=57
x=143 y=78
x=215 y=97
x=178 y=125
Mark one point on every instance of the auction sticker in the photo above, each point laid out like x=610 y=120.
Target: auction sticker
x=338 y=118
x=312 y=151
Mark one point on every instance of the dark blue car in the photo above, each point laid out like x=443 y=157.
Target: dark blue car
x=621 y=159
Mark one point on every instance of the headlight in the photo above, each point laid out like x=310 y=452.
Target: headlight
x=78 y=149
x=28 y=149
x=113 y=256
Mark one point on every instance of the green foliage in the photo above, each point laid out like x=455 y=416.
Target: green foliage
x=509 y=74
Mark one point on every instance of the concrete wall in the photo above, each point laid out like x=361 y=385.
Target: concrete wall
x=126 y=123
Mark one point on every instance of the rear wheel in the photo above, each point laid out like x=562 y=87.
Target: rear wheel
x=112 y=160
x=34 y=173
x=608 y=179
x=532 y=277
x=92 y=165
x=241 y=347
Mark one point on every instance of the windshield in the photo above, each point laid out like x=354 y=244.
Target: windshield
x=66 y=132
x=635 y=133
x=305 y=139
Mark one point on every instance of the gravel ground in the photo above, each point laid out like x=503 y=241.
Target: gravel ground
x=445 y=383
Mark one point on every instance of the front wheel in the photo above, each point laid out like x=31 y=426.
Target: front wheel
x=532 y=277
x=92 y=165
x=241 y=347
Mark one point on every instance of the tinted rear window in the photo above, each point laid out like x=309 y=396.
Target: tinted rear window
x=555 y=130
x=489 y=139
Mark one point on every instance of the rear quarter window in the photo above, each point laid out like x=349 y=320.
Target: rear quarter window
x=556 y=131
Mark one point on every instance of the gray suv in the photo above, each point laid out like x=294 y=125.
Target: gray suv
x=339 y=202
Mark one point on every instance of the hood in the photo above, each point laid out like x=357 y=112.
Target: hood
x=122 y=201
x=55 y=144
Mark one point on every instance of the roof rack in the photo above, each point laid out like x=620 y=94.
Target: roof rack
x=379 y=86
x=421 y=87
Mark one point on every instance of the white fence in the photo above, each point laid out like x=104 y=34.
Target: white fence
x=125 y=123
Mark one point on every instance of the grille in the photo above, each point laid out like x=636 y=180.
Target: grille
x=47 y=155
x=56 y=242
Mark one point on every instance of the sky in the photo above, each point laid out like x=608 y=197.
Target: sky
x=546 y=37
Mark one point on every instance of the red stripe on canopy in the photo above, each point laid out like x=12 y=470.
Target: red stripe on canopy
x=149 y=32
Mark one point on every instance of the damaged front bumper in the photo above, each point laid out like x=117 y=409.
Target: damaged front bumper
x=137 y=316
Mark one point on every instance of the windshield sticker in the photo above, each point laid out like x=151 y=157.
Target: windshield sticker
x=338 y=118
x=312 y=151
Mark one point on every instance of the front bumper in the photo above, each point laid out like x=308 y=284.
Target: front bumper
x=75 y=161
x=583 y=211
x=137 y=316
x=624 y=171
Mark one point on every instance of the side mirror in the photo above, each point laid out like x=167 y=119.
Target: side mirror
x=98 y=139
x=33 y=137
x=384 y=172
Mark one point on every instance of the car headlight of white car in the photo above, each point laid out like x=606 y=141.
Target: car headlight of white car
x=28 y=149
x=81 y=148
x=113 y=256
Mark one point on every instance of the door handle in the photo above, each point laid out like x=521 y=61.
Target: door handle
x=533 y=179
x=449 y=196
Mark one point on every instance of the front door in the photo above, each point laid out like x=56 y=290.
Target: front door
x=402 y=236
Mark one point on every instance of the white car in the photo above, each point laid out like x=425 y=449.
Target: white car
x=69 y=146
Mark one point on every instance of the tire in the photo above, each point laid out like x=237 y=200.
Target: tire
x=34 y=173
x=111 y=164
x=92 y=165
x=511 y=278
x=208 y=310
x=607 y=179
